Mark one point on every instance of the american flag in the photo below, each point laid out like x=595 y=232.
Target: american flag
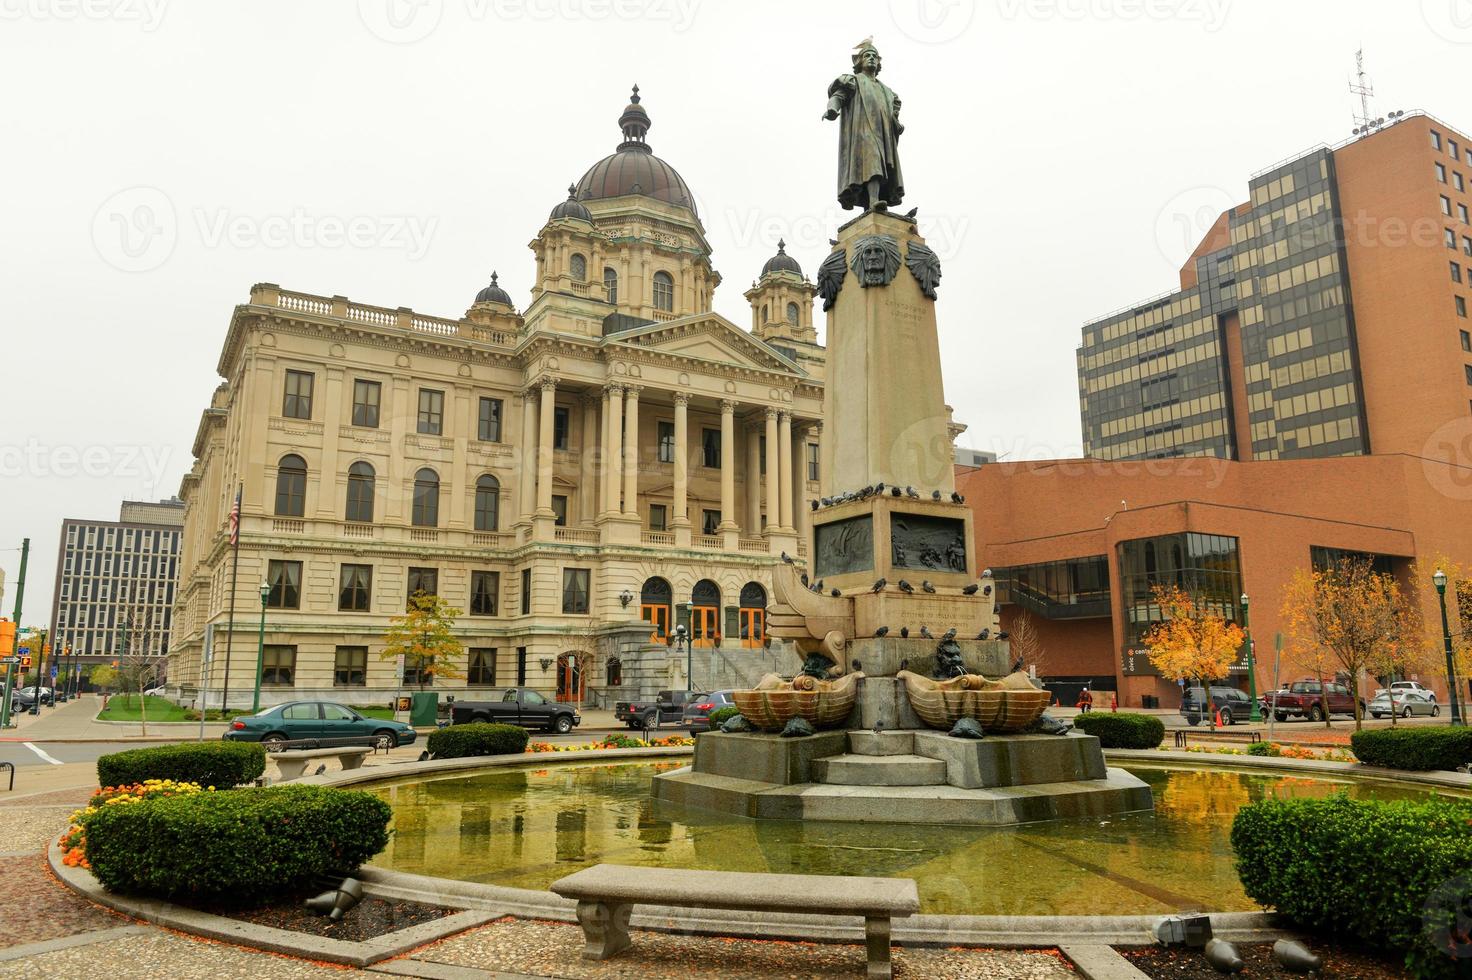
x=235 y=520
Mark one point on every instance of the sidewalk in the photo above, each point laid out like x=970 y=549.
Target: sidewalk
x=76 y=721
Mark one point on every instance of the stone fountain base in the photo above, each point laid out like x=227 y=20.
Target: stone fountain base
x=913 y=776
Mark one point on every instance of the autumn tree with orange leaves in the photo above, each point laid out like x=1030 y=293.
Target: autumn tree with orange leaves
x=1349 y=618
x=1193 y=641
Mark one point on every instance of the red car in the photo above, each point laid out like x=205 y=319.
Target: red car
x=1309 y=699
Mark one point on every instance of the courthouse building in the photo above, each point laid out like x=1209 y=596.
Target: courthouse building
x=579 y=476
x=1305 y=393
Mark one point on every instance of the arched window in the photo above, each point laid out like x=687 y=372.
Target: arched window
x=654 y=606
x=705 y=613
x=792 y=313
x=578 y=267
x=766 y=313
x=291 y=486
x=487 y=504
x=610 y=283
x=615 y=672
x=426 y=498
x=753 y=617
x=360 y=492
x=664 y=292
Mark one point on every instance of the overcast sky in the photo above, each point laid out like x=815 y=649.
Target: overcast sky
x=161 y=156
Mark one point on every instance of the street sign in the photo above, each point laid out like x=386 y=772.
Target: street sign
x=9 y=660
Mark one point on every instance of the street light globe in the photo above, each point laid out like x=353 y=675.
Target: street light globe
x=265 y=592
x=1440 y=579
x=1244 y=598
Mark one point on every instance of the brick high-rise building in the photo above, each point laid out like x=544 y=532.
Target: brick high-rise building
x=1325 y=316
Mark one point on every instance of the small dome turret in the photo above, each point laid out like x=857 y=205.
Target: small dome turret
x=782 y=262
x=493 y=293
x=571 y=208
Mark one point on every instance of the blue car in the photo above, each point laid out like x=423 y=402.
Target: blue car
x=315 y=719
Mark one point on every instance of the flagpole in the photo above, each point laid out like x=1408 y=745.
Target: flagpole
x=230 y=627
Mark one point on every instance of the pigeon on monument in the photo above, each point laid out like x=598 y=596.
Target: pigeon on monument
x=882 y=631
x=925 y=633
x=956 y=498
x=786 y=558
x=320 y=769
x=1003 y=635
x=1017 y=666
x=814 y=504
x=904 y=632
x=912 y=493
x=878 y=726
x=925 y=584
x=912 y=212
x=984 y=634
x=836 y=594
x=906 y=587
x=879 y=489
x=970 y=589
x=949 y=635
x=879 y=585
x=986 y=590
x=935 y=495
x=896 y=491
x=803 y=578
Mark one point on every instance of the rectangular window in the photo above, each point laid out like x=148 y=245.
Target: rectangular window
x=812 y=462
x=298 y=401
x=278 y=666
x=710 y=442
x=1462 y=214
x=710 y=520
x=658 y=517
x=575 y=591
x=1467 y=369
x=1457 y=181
x=1450 y=237
x=1466 y=245
x=489 y=428
x=560 y=422
x=431 y=412
x=481 y=670
x=426 y=580
x=666 y=439
x=485 y=593
x=1466 y=340
x=355 y=588
x=350 y=667
x=1440 y=173
x=1461 y=306
x=521 y=666
x=559 y=508
x=419 y=673
x=285 y=580
x=1446 y=205
x=367 y=395
x=1456 y=272
x=526 y=592
x=1435 y=139
x=1452 y=148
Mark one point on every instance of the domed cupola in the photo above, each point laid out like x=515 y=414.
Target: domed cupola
x=571 y=208
x=782 y=262
x=633 y=168
x=493 y=294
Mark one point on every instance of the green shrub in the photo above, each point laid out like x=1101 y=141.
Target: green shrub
x=618 y=740
x=241 y=846
x=1264 y=748
x=1362 y=868
x=1413 y=748
x=222 y=765
x=1122 y=730
x=718 y=717
x=460 y=741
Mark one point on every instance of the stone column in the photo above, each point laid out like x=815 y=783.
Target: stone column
x=784 y=468
x=822 y=469
x=588 y=463
x=527 y=487
x=798 y=450
x=613 y=413
x=680 y=519
x=544 y=447
x=753 y=477
x=631 y=452
x=774 y=514
x=730 y=530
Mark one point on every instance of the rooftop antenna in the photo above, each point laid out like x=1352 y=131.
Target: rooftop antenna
x=1359 y=85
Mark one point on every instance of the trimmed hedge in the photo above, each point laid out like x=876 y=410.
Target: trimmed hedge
x=718 y=717
x=460 y=741
x=1384 y=873
x=1413 y=748
x=1122 y=729
x=222 y=765
x=242 y=846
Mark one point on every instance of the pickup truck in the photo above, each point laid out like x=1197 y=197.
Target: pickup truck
x=1308 y=699
x=519 y=706
x=665 y=706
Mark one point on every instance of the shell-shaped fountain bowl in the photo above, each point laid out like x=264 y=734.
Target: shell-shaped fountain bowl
x=1007 y=705
x=823 y=704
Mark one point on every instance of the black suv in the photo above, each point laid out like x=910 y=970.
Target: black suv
x=1232 y=704
x=665 y=706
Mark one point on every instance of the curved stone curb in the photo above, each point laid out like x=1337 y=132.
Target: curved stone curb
x=540 y=760
x=1209 y=760
x=268 y=938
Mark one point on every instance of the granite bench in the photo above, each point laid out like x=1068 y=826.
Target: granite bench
x=293 y=762
x=606 y=894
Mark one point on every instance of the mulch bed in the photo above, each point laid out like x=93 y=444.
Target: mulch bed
x=1175 y=963
x=371 y=918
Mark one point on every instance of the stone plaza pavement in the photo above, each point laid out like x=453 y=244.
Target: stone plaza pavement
x=50 y=931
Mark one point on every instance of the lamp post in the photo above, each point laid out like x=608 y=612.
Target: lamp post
x=683 y=639
x=255 y=704
x=1446 y=638
x=1254 y=714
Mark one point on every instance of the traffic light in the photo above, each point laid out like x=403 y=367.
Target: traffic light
x=25 y=662
x=7 y=638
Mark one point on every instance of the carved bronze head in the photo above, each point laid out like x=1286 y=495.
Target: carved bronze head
x=876 y=260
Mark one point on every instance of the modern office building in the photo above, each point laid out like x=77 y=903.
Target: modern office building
x=113 y=576
x=1306 y=393
x=579 y=477
x=1324 y=316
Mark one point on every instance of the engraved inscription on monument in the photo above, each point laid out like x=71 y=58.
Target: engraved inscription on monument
x=922 y=541
x=844 y=546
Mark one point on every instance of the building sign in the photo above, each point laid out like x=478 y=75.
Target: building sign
x=1136 y=663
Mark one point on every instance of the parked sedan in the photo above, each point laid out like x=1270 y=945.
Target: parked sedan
x=315 y=719
x=24 y=698
x=1406 y=703
x=697 y=712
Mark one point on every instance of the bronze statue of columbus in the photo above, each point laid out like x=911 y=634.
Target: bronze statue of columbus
x=869 y=130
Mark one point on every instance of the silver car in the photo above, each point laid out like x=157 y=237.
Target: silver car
x=1406 y=703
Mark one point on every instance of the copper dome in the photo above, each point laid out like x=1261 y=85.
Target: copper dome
x=633 y=168
x=782 y=262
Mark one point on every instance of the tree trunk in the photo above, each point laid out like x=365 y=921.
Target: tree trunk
x=1323 y=699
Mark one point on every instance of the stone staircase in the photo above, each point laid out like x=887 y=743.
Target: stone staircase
x=880 y=759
